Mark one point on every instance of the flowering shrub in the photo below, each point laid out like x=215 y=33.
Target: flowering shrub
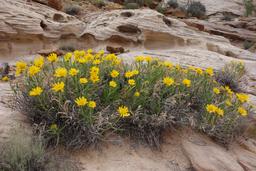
x=77 y=99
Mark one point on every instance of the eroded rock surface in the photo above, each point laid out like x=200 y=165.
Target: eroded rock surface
x=206 y=156
x=26 y=28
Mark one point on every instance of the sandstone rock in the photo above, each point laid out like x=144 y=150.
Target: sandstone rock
x=249 y=145
x=206 y=156
x=26 y=28
x=217 y=6
x=151 y=30
x=229 y=30
x=245 y=158
x=56 y=4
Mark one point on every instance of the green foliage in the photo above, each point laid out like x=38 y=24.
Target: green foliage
x=67 y=48
x=248 y=4
x=196 y=9
x=160 y=8
x=248 y=44
x=131 y=6
x=140 y=3
x=231 y=75
x=20 y=153
x=173 y=3
x=72 y=10
x=84 y=96
x=23 y=153
x=98 y=3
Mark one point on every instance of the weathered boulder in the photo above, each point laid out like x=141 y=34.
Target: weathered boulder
x=29 y=27
x=207 y=156
x=218 y=6
x=235 y=30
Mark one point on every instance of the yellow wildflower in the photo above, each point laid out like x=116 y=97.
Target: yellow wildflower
x=68 y=56
x=137 y=94
x=116 y=61
x=94 y=70
x=192 y=68
x=59 y=86
x=39 y=61
x=209 y=71
x=52 y=57
x=81 y=101
x=139 y=58
x=216 y=90
x=242 y=111
x=178 y=67
x=36 y=91
x=199 y=71
x=110 y=57
x=21 y=65
x=211 y=108
x=89 y=51
x=101 y=52
x=131 y=82
x=94 y=78
x=168 y=64
x=123 y=111
x=229 y=91
x=168 y=81
x=53 y=127
x=92 y=104
x=219 y=111
x=5 y=78
x=60 y=72
x=228 y=103
x=114 y=73
x=112 y=84
x=73 y=71
x=129 y=74
x=185 y=71
x=186 y=82
x=148 y=58
x=135 y=72
x=33 y=70
x=83 y=80
x=242 y=97
x=96 y=62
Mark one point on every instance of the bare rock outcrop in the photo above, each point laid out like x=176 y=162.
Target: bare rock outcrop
x=29 y=27
x=240 y=29
x=217 y=6
x=207 y=156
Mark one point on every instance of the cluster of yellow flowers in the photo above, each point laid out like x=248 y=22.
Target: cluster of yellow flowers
x=82 y=101
x=211 y=108
x=74 y=66
x=242 y=98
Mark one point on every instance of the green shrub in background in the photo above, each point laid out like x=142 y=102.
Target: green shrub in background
x=231 y=75
x=24 y=153
x=160 y=8
x=82 y=97
x=196 y=9
x=248 y=7
x=131 y=6
x=248 y=44
x=72 y=10
x=173 y=3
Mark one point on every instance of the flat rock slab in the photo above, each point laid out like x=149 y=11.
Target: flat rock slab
x=206 y=156
x=9 y=118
